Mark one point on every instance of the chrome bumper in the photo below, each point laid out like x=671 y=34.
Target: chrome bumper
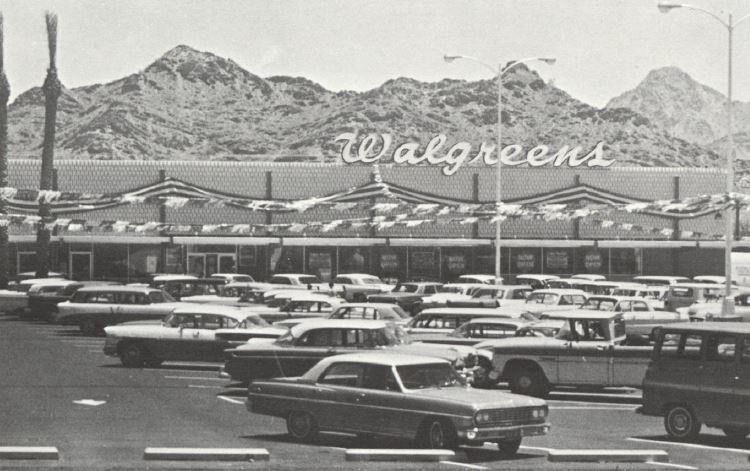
x=480 y=434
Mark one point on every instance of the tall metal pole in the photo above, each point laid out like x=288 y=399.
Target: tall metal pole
x=728 y=305
x=498 y=176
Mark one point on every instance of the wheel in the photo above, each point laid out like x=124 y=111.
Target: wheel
x=482 y=374
x=681 y=424
x=133 y=355
x=508 y=448
x=301 y=425
x=90 y=328
x=153 y=362
x=437 y=435
x=528 y=382
x=736 y=433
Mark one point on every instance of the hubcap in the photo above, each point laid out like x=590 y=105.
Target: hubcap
x=680 y=422
x=299 y=424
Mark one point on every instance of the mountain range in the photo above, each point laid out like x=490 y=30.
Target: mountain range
x=192 y=105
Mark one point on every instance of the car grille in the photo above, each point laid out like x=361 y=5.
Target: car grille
x=513 y=416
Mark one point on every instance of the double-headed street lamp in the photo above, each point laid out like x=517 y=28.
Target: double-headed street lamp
x=499 y=72
x=727 y=308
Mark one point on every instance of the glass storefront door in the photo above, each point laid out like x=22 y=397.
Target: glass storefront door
x=206 y=264
x=80 y=264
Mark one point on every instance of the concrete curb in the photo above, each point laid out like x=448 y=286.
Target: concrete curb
x=29 y=453
x=206 y=454
x=599 y=456
x=364 y=454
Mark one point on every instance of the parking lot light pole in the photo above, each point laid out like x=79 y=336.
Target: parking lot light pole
x=498 y=73
x=727 y=308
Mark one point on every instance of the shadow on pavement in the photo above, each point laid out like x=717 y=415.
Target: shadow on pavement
x=604 y=397
x=717 y=441
x=341 y=440
x=166 y=366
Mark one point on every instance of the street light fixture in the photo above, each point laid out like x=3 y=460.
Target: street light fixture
x=727 y=308
x=498 y=72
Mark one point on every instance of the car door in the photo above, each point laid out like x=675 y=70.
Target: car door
x=377 y=403
x=717 y=377
x=337 y=397
x=742 y=382
x=586 y=359
x=310 y=348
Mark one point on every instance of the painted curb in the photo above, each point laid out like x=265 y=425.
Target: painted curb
x=364 y=454
x=29 y=453
x=599 y=456
x=206 y=454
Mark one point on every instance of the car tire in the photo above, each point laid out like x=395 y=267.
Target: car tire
x=681 y=424
x=133 y=355
x=529 y=382
x=437 y=434
x=152 y=362
x=483 y=381
x=302 y=426
x=508 y=448
x=736 y=433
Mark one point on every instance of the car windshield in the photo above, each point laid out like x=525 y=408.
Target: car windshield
x=370 y=280
x=253 y=321
x=542 y=298
x=160 y=297
x=406 y=289
x=429 y=376
x=308 y=280
x=594 y=304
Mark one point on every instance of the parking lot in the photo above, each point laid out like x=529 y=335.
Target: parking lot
x=58 y=389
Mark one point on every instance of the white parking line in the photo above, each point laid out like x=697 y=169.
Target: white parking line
x=690 y=445
x=466 y=465
x=590 y=403
x=203 y=378
x=586 y=394
x=671 y=465
x=203 y=386
x=595 y=407
x=232 y=400
x=546 y=450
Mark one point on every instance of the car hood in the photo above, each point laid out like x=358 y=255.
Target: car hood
x=444 y=297
x=136 y=329
x=395 y=296
x=256 y=331
x=479 y=398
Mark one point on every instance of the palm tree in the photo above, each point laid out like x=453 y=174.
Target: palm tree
x=51 y=89
x=4 y=94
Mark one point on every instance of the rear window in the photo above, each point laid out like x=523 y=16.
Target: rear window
x=682 y=292
x=680 y=346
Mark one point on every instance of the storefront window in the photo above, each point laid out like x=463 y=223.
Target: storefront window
x=455 y=262
x=390 y=264
x=624 y=261
x=526 y=260
x=110 y=262
x=144 y=261
x=559 y=261
x=321 y=262
x=423 y=264
x=592 y=260
x=286 y=260
x=354 y=260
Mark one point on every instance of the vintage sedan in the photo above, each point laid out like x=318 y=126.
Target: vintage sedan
x=308 y=342
x=477 y=330
x=494 y=296
x=95 y=307
x=187 y=334
x=373 y=311
x=406 y=396
x=407 y=295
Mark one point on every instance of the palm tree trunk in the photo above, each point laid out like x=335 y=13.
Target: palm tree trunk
x=51 y=88
x=4 y=94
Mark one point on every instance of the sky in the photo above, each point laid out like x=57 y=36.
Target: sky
x=603 y=47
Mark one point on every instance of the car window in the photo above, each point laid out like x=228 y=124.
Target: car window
x=640 y=306
x=342 y=280
x=679 y=292
x=683 y=346
x=107 y=297
x=491 y=331
x=625 y=306
x=156 y=297
x=343 y=374
x=280 y=280
x=379 y=377
x=746 y=349
x=721 y=348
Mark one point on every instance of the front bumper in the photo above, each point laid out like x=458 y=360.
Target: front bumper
x=110 y=347
x=490 y=434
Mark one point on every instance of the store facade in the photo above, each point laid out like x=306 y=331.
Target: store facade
x=213 y=238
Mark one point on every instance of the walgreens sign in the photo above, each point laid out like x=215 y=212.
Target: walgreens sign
x=374 y=147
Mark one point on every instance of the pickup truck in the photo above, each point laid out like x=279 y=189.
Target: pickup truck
x=586 y=351
x=357 y=286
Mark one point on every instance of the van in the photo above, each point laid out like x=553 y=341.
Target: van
x=699 y=374
x=660 y=280
x=686 y=294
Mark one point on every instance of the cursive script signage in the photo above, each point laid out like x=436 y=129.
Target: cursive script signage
x=374 y=147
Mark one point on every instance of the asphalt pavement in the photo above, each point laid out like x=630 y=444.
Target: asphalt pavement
x=58 y=389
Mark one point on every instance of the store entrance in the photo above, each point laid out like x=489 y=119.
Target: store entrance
x=80 y=264
x=203 y=265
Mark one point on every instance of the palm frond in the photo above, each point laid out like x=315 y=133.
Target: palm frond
x=51 y=20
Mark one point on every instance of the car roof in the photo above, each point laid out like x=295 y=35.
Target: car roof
x=45 y=281
x=505 y=287
x=697 y=284
x=660 y=277
x=377 y=305
x=474 y=311
x=120 y=289
x=538 y=277
x=387 y=359
x=236 y=313
x=498 y=320
x=614 y=298
x=315 y=297
x=174 y=277
x=581 y=314
x=560 y=291
x=313 y=323
x=710 y=326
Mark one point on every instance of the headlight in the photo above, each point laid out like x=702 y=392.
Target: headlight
x=482 y=417
x=539 y=412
